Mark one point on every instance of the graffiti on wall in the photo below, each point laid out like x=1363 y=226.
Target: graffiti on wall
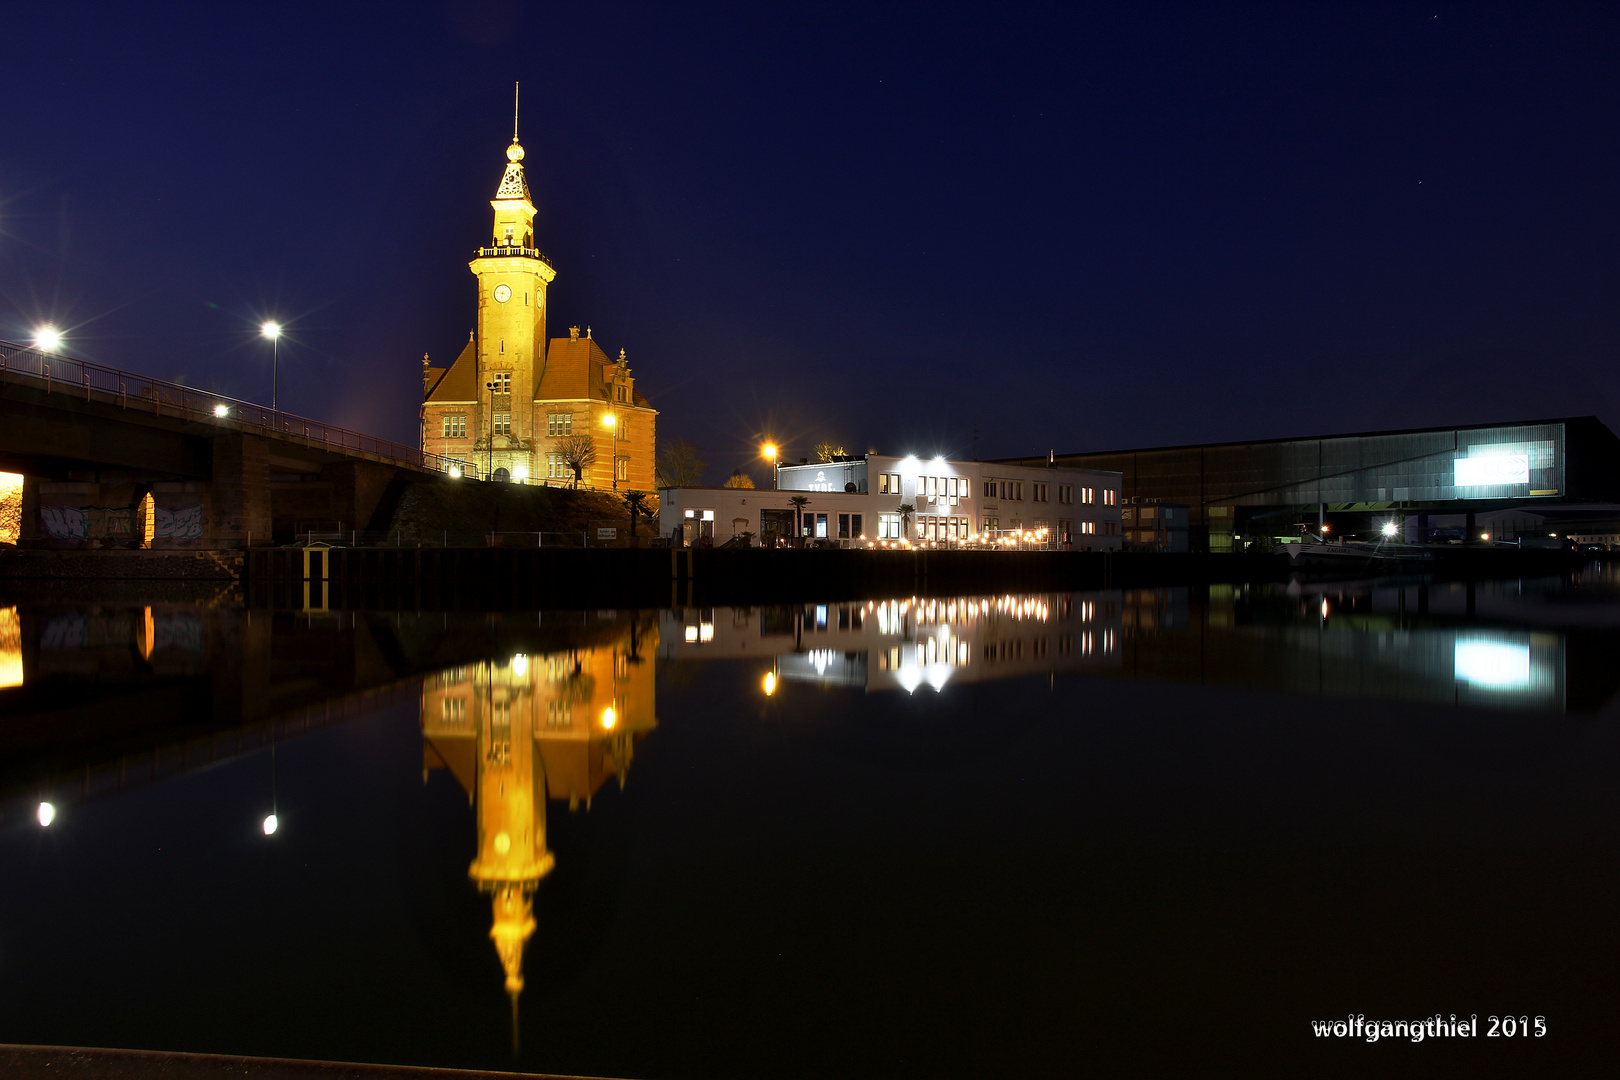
x=180 y=523
x=118 y=522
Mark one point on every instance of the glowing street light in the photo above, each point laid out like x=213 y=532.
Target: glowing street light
x=455 y=471
x=272 y=330
x=270 y=825
x=47 y=814
x=222 y=411
x=769 y=685
x=609 y=718
x=1390 y=528
x=611 y=422
x=769 y=452
x=48 y=338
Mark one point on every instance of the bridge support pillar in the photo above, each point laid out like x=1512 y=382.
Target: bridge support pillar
x=239 y=495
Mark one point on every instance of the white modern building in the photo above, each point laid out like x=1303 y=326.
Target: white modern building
x=878 y=499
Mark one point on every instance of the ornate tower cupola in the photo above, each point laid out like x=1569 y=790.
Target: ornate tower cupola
x=514 y=212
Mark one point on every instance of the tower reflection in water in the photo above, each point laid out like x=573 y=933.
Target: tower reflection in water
x=517 y=732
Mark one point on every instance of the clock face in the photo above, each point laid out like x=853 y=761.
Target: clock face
x=502 y=294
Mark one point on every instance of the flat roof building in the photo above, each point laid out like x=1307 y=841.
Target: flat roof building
x=856 y=499
x=1420 y=478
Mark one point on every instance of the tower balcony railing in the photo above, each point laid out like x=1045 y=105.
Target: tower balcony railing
x=504 y=251
x=81 y=380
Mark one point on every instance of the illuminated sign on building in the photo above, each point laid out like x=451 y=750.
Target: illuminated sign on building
x=1494 y=470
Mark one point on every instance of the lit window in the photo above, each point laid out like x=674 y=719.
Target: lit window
x=558 y=424
x=621 y=468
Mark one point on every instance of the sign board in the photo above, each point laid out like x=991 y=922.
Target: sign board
x=607 y=534
x=1498 y=469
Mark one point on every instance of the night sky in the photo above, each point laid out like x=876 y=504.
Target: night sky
x=1077 y=226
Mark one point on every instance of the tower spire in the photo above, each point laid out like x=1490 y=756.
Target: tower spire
x=514 y=110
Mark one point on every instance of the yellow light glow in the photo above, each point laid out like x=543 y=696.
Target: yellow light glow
x=271 y=825
x=221 y=410
x=47 y=814
x=1484 y=536
x=455 y=471
x=11 y=662
x=520 y=472
x=770 y=683
x=520 y=665
x=48 y=338
x=271 y=330
x=610 y=420
x=609 y=718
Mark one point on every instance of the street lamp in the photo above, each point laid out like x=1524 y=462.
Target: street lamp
x=221 y=411
x=272 y=330
x=611 y=422
x=768 y=452
x=48 y=338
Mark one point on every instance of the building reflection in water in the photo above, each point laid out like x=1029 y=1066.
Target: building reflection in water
x=908 y=643
x=518 y=732
x=1448 y=644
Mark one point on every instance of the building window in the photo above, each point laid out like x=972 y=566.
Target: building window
x=1110 y=497
x=991 y=523
x=557 y=468
x=500 y=382
x=843 y=526
x=623 y=392
x=1038 y=493
x=559 y=423
x=455 y=427
x=888 y=526
x=989 y=489
x=621 y=468
x=855 y=526
x=502 y=423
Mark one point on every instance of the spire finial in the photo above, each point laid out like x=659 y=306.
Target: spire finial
x=514 y=110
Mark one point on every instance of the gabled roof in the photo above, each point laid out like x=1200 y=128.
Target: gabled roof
x=573 y=370
x=458 y=382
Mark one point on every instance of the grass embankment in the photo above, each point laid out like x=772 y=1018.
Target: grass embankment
x=432 y=507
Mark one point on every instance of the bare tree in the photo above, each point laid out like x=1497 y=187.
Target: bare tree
x=739 y=479
x=826 y=451
x=579 y=451
x=680 y=465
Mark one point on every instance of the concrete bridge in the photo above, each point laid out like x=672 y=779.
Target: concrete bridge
x=113 y=459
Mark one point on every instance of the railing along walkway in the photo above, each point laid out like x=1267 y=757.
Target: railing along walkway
x=57 y=374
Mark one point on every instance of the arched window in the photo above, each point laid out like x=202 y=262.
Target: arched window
x=502 y=475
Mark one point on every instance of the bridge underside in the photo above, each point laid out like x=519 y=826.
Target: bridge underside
x=89 y=466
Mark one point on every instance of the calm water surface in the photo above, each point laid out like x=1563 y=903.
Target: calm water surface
x=1123 y=833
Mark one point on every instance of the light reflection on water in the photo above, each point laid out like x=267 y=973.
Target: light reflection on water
x=541 y=710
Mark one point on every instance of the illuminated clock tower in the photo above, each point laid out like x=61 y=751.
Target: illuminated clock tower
x=511 y=338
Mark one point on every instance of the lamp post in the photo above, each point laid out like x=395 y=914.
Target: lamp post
x=272 y=330
x=768 y=452
x=611 y=422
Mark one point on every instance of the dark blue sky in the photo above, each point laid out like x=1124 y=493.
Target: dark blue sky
x=1080 y=226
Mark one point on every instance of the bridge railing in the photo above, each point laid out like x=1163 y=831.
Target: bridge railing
x=58 y=374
